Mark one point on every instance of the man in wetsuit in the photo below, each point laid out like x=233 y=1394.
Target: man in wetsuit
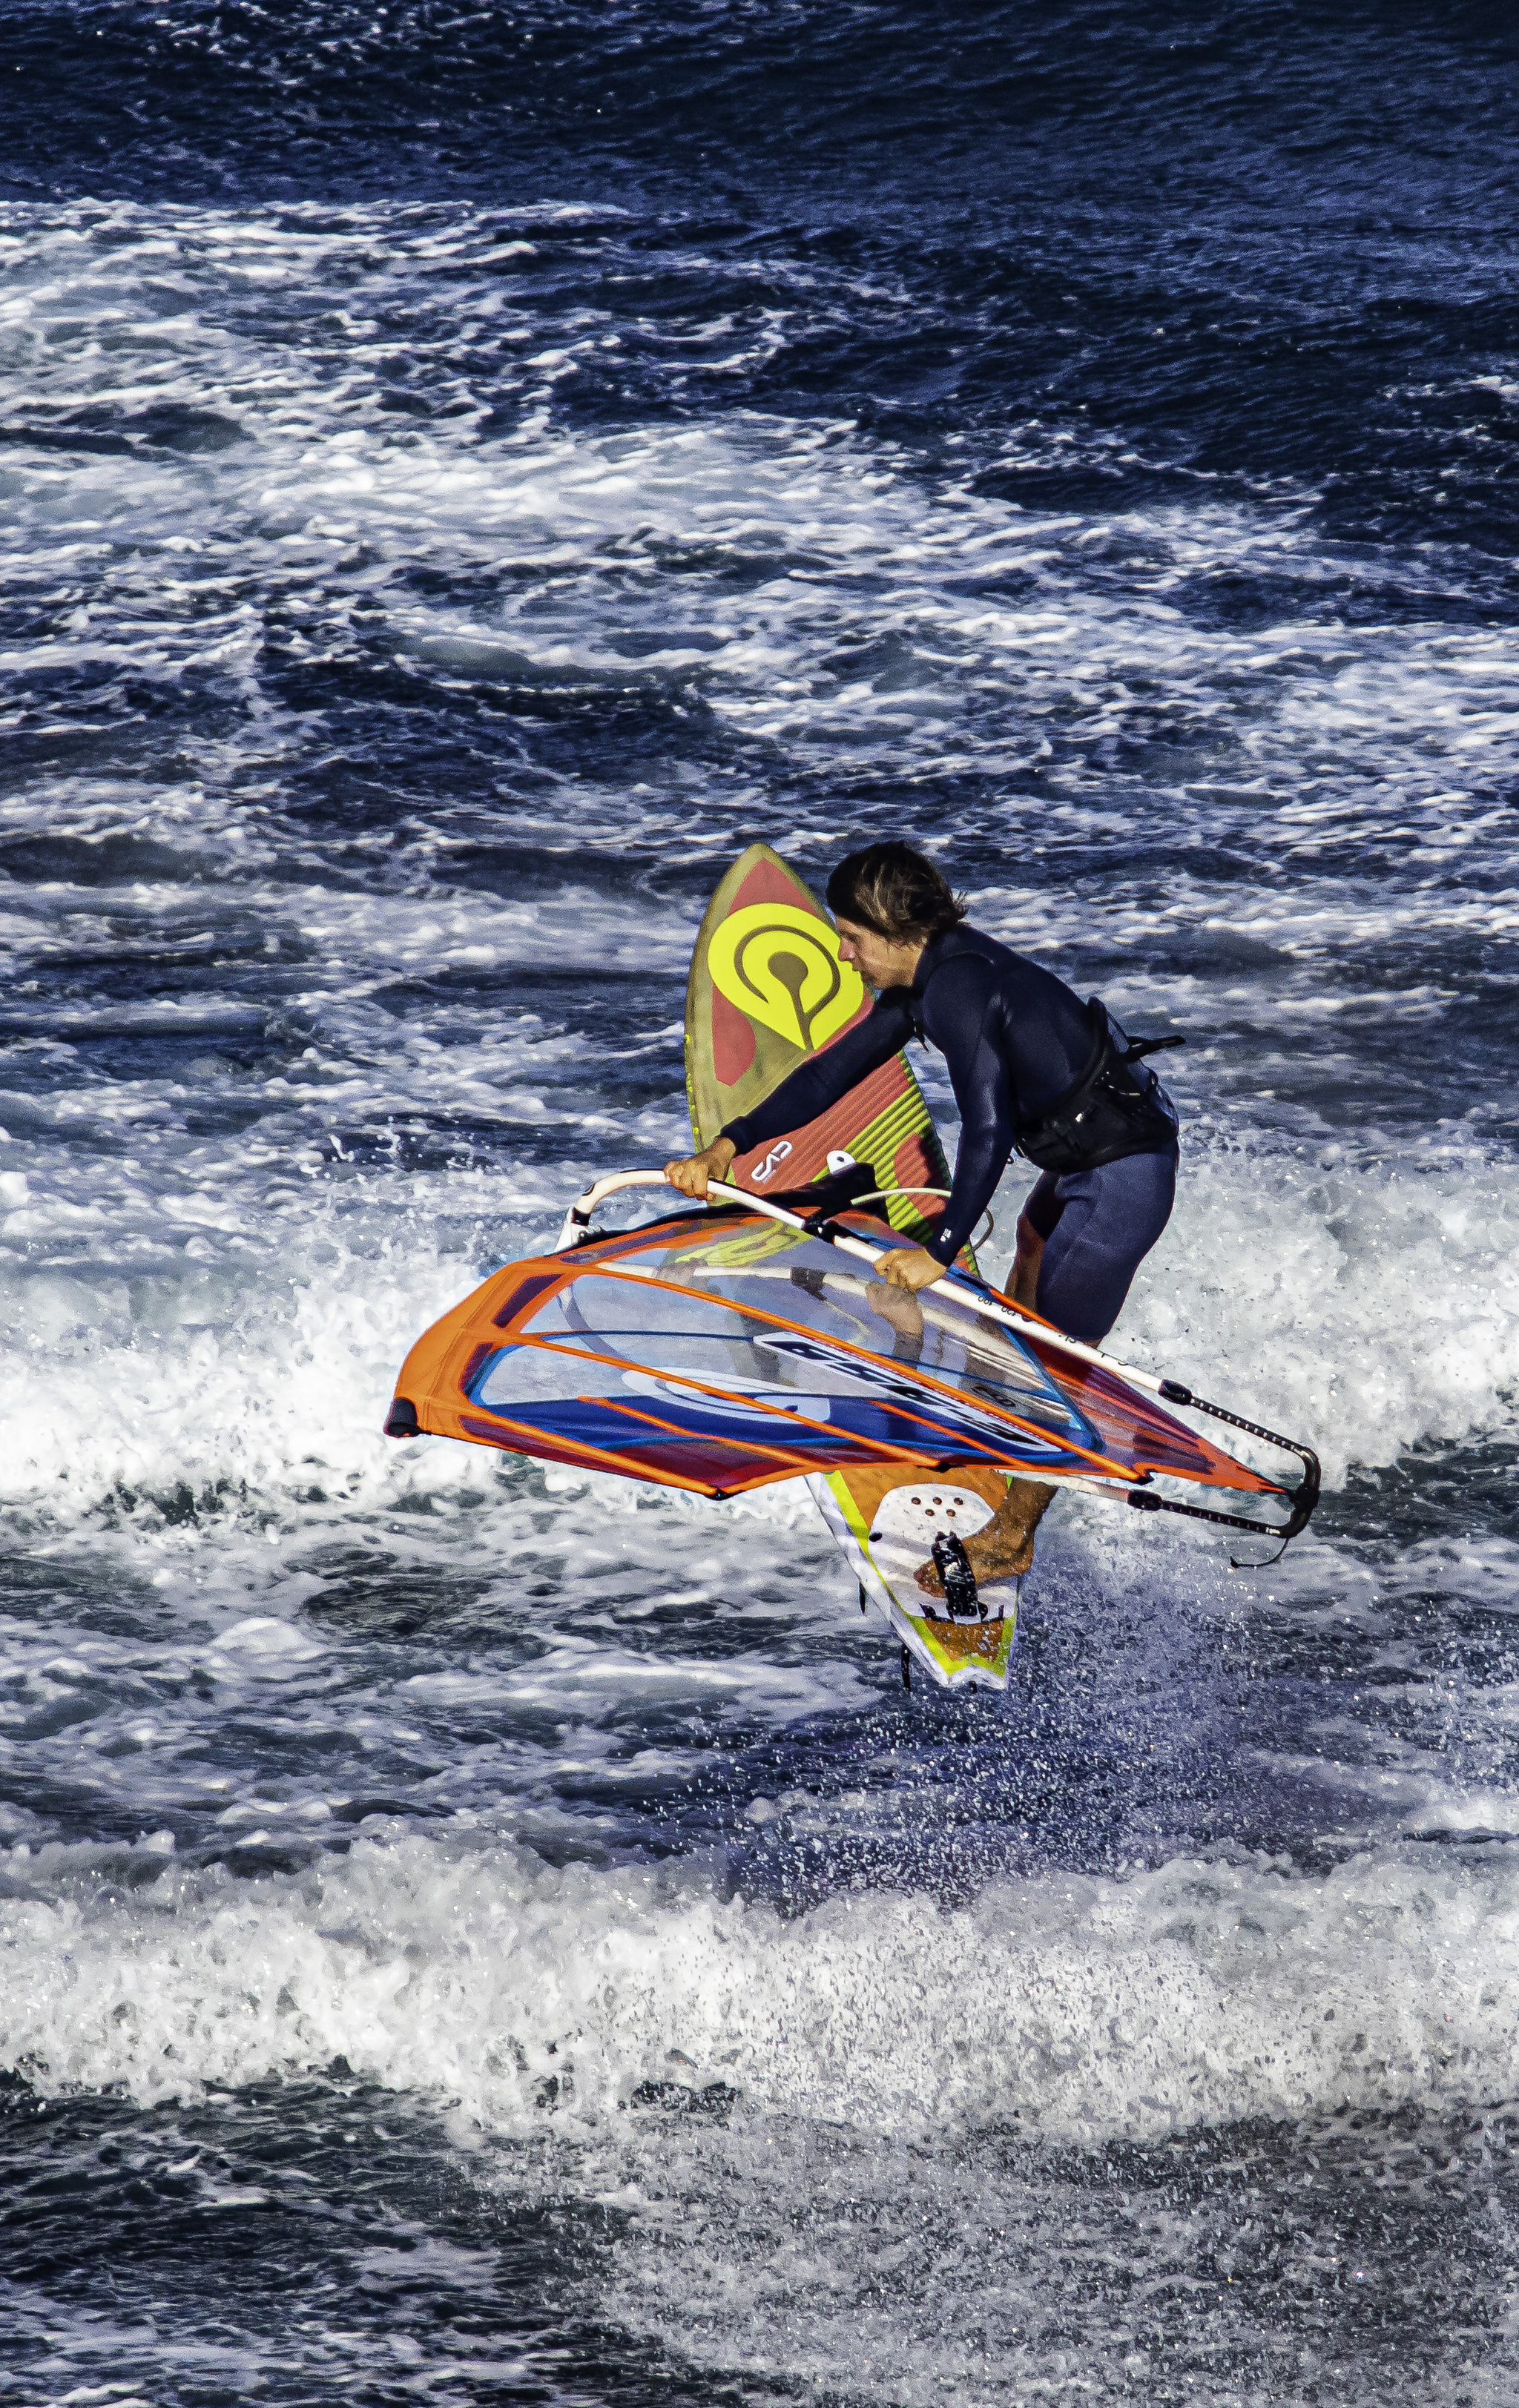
x=1032 y=1068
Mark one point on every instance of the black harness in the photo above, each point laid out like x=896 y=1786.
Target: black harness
x=1110 y=1112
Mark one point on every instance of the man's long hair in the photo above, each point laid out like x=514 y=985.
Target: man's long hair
x=892 y=889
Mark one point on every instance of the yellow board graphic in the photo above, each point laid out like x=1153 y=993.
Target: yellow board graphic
x=780 y=965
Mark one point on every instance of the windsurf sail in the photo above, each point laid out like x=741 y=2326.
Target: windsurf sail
x=721 y=1347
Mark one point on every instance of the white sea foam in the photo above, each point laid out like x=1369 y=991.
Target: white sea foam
x=1361 y=1310
x=1201 y=1992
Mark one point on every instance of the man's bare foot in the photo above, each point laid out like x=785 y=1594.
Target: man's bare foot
x=1004 y=1550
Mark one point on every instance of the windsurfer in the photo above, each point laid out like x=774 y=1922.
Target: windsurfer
x=1032 y=1069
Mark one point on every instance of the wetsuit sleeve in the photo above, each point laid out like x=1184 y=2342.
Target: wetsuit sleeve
x=963 y=1024
x=815 y=1084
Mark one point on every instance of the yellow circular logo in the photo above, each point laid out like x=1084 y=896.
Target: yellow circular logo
x=780 y=965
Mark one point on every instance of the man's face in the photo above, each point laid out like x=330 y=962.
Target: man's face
x=880 y=962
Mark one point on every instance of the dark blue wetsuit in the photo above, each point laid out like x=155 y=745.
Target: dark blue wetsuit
x=1017 y=1041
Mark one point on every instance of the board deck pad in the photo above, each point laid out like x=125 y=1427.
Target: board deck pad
x=886 y=1525
x=768 y=991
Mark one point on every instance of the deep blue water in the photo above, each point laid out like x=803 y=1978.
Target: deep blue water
x=468 y=1934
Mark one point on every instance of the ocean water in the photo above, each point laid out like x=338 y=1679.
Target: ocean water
x=471 y=1933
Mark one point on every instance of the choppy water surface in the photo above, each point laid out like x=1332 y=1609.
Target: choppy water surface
x=474 y=1933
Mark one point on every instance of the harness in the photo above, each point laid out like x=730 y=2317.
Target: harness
x=1107 y=1112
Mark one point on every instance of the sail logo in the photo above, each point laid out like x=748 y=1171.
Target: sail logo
x=938 y=1412
x=780 y=965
